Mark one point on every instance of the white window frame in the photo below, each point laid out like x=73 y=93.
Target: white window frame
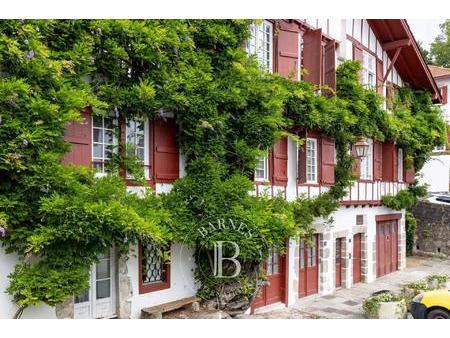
x=264 y=169
x=400 y=165
x=367 y=163
x=369 y=70
x=146 y=160
x=261 y=44
x=103 y=158
x=311 y=164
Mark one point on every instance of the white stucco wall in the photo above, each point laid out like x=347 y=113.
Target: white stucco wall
x=436 y=173
x=344 y=220
x=182 y=283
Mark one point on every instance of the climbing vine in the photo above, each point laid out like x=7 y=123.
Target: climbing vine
x=229 y=112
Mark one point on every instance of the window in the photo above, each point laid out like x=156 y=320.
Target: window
x=369 y=70
x=273 y=262
x=262 y=169
x=400 y=164
x=311 y=160
x=261 y=44
x=367 y=163
x=312 y=255
x=154 y=268
x=104 y=141
x=302 y=254
x=137 y=137
x=338 y=252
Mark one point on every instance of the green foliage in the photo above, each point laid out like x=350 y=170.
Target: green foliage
x=405 y=199
x=411 y=225
x=229 y=111
x=371 y=305
x=440 y=48
x=58 y=219
x=441 y=279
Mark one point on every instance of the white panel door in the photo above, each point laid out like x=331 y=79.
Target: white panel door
x=99 y=300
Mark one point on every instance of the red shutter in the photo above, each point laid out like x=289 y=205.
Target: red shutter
x=312 y=56
x=165 y=151
x=358 y=56
x=301 y=165
x=357 y=53
x=408 y=171
x=389 y=162
x=444 y=93
x=330 y=65
x=327 y=164
x=380 y=76
x=287 y=42
x=356 y=168
x=377 y=160
x=79 y=135
x=280 y=158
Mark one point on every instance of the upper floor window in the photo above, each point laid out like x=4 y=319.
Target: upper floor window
x=104 y=139
x=311 y=160
x=261 y=44
x=137 y=138
x=400 y=164
x=367 y=163
x=369 y=70
x=262 y=169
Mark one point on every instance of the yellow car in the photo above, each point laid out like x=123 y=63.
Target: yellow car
x=431 y=305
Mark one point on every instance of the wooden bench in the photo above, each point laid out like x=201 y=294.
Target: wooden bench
x=155 y=312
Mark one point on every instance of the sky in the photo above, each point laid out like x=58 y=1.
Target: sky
x=425 y=30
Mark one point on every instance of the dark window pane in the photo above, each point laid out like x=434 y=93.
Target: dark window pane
x=82 y=297
x=103 y=289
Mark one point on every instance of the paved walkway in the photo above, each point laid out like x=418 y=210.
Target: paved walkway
x=347 y=303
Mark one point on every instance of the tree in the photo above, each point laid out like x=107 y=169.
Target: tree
x=440 y=48
x=425 y=53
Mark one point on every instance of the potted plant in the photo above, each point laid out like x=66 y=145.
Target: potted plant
x=385 y=305
x=438 y=281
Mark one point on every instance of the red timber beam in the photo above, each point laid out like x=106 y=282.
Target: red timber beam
x=391 y=65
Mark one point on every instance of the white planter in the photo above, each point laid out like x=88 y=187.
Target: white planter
x=392 y=310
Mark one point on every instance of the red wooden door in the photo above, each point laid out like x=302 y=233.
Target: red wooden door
x=387 y=247
x=338 y=262
x=274 y=291
x=381 y=259
x=356 y=258
x=309 y=268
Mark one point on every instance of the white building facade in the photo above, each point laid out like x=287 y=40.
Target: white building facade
x=365 y=239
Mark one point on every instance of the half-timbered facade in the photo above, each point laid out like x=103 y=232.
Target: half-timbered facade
x=365 y=240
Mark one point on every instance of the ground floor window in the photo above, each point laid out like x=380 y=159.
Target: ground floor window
x=154 y=267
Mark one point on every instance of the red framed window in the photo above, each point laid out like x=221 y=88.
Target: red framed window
x=154 y=267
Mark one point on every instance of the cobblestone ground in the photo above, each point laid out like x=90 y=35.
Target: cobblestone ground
x=347 y=303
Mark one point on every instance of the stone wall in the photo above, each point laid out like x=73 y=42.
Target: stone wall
x=433 y=228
